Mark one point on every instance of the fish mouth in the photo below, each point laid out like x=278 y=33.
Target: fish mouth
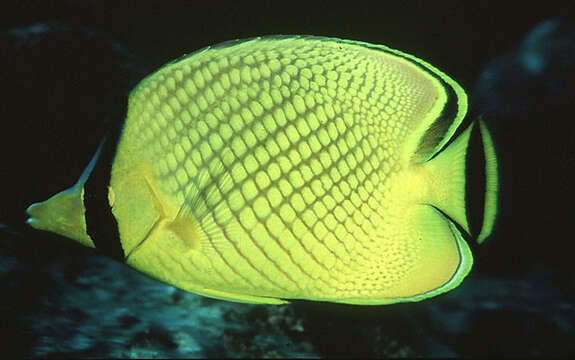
x=33 y=211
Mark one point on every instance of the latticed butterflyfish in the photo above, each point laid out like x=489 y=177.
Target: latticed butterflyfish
x=290 y=167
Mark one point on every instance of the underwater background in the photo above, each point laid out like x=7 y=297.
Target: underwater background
x=66 y=67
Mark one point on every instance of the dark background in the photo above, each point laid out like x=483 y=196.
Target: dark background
x=66 y=67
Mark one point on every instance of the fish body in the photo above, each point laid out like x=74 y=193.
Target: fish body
x=293 y=167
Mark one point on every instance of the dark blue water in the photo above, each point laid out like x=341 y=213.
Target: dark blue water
x=66 y=68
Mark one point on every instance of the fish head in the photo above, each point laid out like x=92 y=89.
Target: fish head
x=64 y=213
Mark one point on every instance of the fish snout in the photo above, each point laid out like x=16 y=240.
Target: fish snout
x=34 y=212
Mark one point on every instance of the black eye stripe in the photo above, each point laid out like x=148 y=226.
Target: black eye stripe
x=101 y=224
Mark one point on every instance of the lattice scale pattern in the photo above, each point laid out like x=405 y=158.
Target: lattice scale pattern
x=270 y=163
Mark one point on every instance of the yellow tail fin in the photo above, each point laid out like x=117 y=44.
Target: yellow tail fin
x=447 y=171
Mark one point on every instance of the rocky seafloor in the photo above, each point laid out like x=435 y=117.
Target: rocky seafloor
x=74 y=303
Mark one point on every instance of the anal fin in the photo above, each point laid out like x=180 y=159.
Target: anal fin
x=443 y=256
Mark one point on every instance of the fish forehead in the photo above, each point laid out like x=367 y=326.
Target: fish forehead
x=308 y=131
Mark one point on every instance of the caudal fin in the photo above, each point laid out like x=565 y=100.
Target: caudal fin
x=491 y=184
x=465 y=188
x=447 y=171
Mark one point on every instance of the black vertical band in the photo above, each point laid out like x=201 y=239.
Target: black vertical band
x=101 y=224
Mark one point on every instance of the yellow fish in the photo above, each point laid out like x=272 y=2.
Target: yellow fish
x=290 y=167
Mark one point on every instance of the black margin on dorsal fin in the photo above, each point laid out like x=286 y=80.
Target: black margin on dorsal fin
x=461 y=128
x=441 y=125
x=101 y=224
